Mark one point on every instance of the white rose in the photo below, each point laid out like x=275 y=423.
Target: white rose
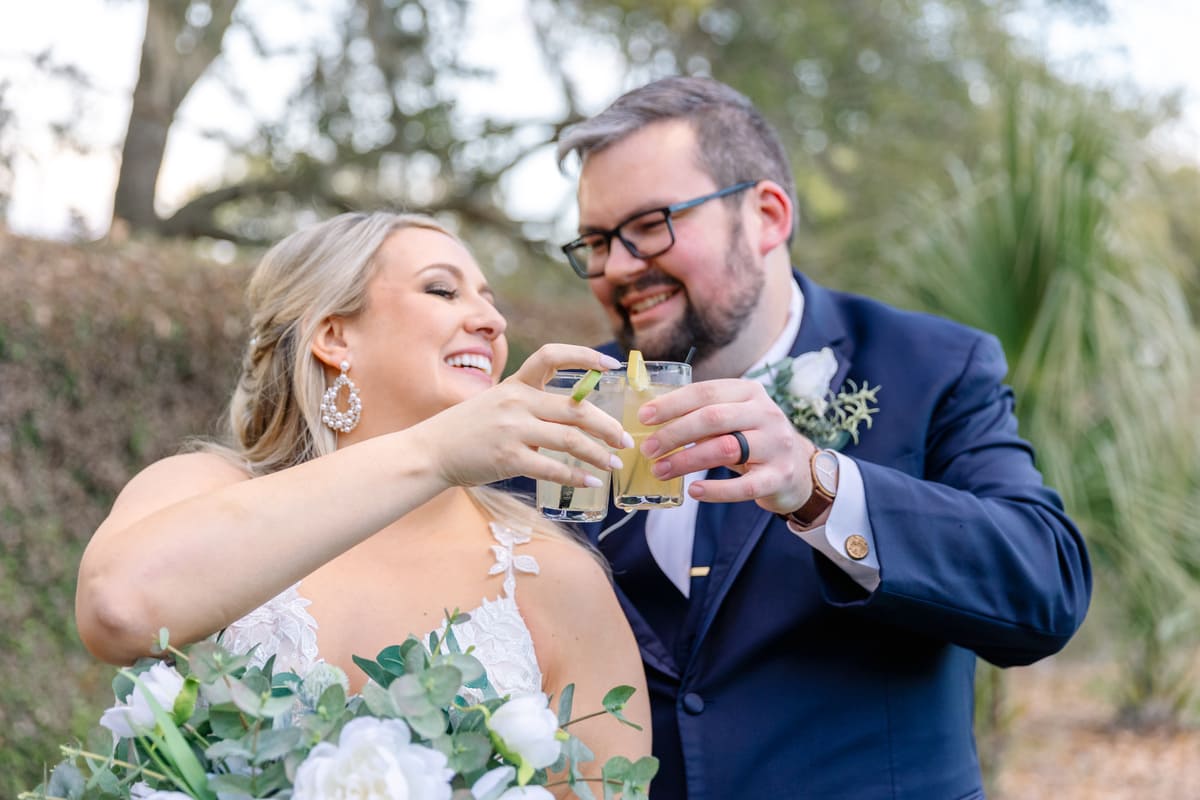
x=527 y=793
x=134 y=716
x=527 y=727
x=144 y=791
x=493 y=783
x=811 y=375
x=374 y=759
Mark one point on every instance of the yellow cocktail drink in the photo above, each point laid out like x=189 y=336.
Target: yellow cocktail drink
x=634 y=485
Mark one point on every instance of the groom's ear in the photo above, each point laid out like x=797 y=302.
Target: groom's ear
x=774 y=215
x=329 y=342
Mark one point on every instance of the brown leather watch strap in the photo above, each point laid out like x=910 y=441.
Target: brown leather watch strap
x=817 y=502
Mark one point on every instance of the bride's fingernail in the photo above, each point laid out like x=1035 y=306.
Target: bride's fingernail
x=608 y=362
x=591 y=481
x=626 y=440
x=615 y=462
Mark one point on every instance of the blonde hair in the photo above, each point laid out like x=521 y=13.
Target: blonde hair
x=318 y=272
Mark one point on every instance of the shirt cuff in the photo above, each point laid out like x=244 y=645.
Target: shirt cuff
x=847 y=518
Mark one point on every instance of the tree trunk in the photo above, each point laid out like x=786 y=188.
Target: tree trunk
x=175 y=54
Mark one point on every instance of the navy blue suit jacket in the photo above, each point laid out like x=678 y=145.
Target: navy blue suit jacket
x=787 y=679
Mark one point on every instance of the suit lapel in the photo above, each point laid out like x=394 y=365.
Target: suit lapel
x=637 y=576
x=744 y=524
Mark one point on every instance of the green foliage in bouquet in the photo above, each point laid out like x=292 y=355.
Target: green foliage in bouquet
x=211 y=726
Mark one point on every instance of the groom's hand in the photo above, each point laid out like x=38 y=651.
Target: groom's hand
x=776 y=473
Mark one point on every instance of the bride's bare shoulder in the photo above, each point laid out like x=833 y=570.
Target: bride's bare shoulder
x=571 y=586
x=564 y=563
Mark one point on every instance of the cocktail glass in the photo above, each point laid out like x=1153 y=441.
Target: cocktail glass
x=574 y=503
x=634 y=486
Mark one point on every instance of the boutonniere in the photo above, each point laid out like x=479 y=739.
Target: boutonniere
x=801 y=387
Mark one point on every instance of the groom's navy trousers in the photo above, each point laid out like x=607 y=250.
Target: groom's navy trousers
x=781 y=677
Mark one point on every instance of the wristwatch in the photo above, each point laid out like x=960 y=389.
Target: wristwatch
x=824 y=465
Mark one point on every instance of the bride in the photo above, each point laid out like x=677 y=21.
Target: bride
x=339 y=522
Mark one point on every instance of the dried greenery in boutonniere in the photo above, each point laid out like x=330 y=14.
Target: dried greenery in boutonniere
x=801 y=387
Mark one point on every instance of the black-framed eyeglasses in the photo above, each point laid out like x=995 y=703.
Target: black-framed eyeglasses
x=646 y=234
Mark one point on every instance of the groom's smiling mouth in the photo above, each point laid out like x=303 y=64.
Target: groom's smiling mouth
x=638 y=304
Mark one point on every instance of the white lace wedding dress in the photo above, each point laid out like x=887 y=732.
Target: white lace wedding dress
x=283 y=627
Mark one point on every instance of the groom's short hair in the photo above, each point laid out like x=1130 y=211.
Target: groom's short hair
x=735 y=142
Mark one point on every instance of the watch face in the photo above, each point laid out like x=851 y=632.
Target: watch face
x=825 y=469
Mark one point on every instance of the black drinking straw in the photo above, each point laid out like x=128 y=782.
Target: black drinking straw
x=688 y=358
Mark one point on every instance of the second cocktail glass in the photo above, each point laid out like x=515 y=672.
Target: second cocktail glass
x=634 y=486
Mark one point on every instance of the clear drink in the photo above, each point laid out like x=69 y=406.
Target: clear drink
x=634 y=486
x=574 y=503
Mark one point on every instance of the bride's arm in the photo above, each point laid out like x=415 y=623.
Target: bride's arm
x=193 y=543
x=582 y=637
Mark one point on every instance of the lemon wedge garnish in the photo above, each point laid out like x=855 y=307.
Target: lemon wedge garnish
x=583 y=387
x=639 y=379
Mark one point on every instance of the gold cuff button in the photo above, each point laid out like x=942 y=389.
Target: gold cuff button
x=856 y=547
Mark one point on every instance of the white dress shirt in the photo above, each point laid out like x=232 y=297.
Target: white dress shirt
x=671 y=531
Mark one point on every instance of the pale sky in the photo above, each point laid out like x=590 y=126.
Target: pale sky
x=1150 y=45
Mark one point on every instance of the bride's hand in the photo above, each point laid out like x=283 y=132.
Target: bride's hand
x=496 y=434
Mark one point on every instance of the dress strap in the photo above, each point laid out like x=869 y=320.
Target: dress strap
x=508 y=562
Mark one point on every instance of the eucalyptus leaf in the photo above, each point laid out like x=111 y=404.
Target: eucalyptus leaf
x=617 y=768
x=469 y=666
x=275 y=744
x=392 y=659
x=236 y=785
x=374 y=671
x=246 y=699
x=582 y=790
x=616 y=698
x=333 y=700
x=441 y=684
x=103 y=782
x=416 y=659
x=644 y=770
x=226 y=721
x=66 y=781
x=409 y=695
x=564 y=704
x=379 y=700
x=207 y=661
x=577 y=751
x=470 y=751
x=230 y=748
x=429 y=724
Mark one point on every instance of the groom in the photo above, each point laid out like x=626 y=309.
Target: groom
x=810 y=626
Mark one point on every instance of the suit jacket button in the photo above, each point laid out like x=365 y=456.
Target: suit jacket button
x=693 y=703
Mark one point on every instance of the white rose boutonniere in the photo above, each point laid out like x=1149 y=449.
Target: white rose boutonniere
x=801 y=387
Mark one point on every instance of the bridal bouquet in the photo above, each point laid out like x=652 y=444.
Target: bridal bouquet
x=211 y=727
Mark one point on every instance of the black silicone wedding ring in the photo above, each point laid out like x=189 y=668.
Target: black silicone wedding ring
x=744 y=456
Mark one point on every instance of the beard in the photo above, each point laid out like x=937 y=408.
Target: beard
x=706 y=329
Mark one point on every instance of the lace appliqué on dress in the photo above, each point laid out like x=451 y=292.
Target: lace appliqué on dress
x=281 y=627
x=497 y=630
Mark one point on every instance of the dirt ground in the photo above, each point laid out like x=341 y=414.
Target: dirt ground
x=1063 y=746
